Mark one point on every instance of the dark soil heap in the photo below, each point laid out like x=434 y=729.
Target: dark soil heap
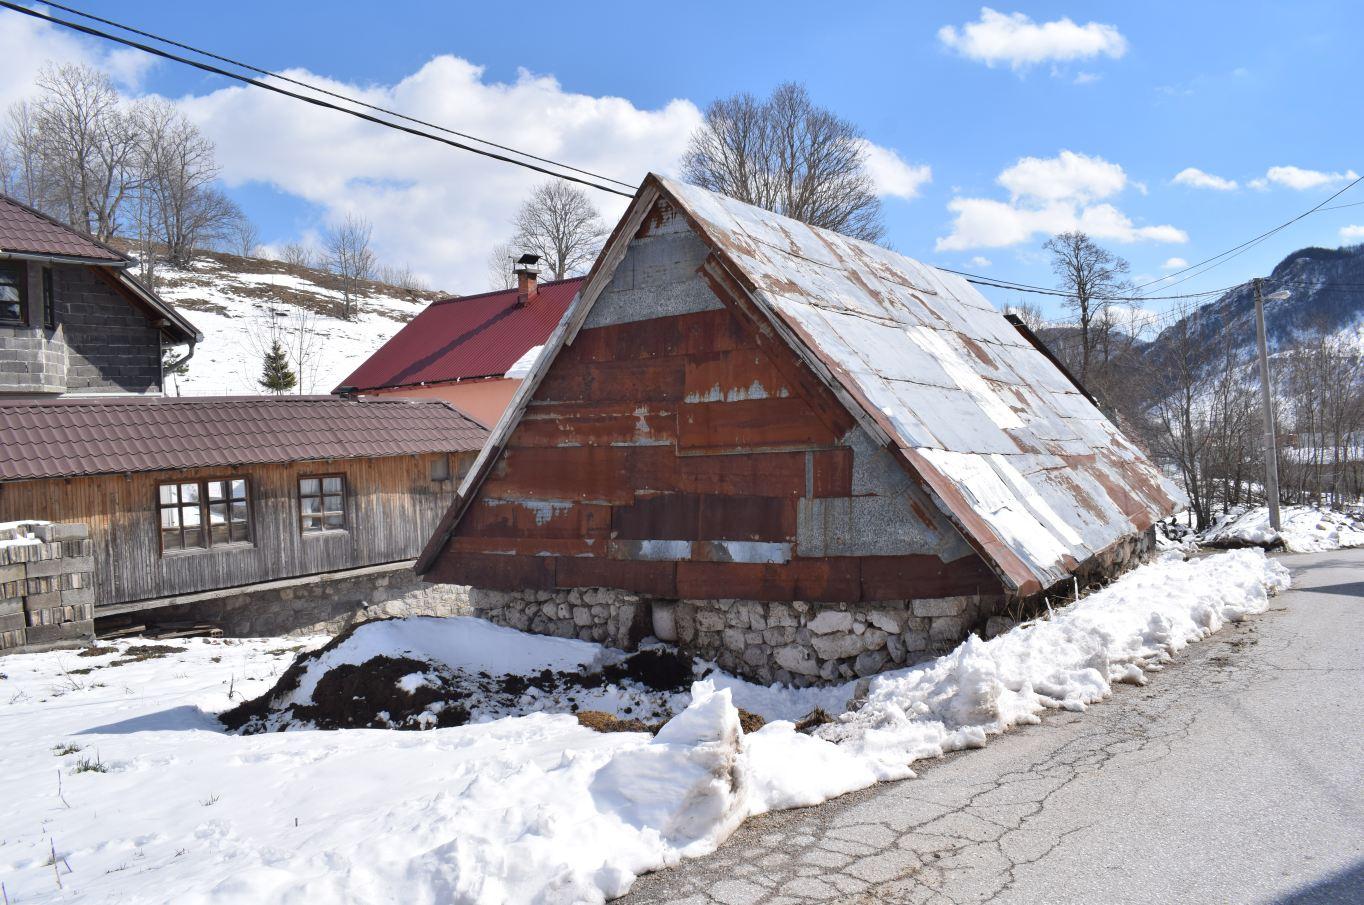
x=372 y=694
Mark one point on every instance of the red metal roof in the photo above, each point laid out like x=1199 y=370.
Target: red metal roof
x=25 y=231
x=71 y=437
x=467 y=337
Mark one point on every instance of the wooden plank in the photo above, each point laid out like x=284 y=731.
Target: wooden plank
x=751 y=424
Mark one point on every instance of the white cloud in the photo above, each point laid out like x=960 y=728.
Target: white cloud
x=1048 y=196
x=979 y=261
x=1193 y=177
x=1067 y=176
x=1017 y=40
x=892 y=176
x=1174 y=264
x=1352 y=232
x=1300 y=179
x=1086 y=78
x=434 y=207
x=27 y=43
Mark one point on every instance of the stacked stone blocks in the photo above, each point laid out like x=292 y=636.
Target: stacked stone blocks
x=46 y=586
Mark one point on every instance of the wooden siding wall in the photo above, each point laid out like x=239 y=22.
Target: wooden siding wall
x=392 y=505
x=678 y=449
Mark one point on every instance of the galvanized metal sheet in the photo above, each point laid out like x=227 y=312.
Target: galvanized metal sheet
x=929 y=356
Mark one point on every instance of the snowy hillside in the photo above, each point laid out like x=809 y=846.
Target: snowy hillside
x=241 y=303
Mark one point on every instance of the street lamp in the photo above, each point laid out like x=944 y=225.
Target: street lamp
x=1271 y=447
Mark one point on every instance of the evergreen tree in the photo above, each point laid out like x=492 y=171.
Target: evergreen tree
x=277 y=376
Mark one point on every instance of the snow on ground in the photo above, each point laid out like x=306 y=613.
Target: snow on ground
x=234 y=300
x=123 y=773
x=1305 y=529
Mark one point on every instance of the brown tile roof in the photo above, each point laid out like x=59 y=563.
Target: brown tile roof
x=71 y=437
x=26 y=231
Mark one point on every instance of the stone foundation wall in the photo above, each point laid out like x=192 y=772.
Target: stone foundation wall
x=46 y=590
x=321 y=604
x=795 y=643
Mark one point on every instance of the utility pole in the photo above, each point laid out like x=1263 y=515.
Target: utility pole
x=1266 y=398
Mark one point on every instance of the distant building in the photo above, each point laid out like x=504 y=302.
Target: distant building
x=471 y=351
x=73 y=321
x=801 y=455
x=259 y=514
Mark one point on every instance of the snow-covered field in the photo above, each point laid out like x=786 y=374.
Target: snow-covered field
x=122 y=786
x=234 y=301
x=1305 y=529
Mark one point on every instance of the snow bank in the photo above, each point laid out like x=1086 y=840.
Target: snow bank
x=1306 y=529
x=526 y=809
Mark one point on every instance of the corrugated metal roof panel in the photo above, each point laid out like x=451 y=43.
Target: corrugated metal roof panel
x=465 y=338
x=71 y=437
x=933 y=359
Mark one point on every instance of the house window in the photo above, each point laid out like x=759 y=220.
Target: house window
x=197 y=515
x=12 y=293
x=49 y=300
x=322 y=503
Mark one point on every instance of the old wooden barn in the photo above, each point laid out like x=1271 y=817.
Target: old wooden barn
x=803 y=455
x=260 y=513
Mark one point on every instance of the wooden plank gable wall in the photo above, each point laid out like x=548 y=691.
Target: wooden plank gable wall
x=678 y=449
x=392 y=504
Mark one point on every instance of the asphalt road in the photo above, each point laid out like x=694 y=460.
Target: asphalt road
x=1236 y=775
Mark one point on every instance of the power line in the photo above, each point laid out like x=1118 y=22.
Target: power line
x=284 y=78
x=1245 y=246
x=318 y=102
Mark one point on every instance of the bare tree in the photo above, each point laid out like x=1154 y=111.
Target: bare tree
x=299 y=255
x=1091 y=276
x=243 y=236
x=1029 y=314
x=351 y=258
x=179 y=168
x=790 y=156
x=558 y=223
x=80 y=146
x=500 y=260
x=401 y=276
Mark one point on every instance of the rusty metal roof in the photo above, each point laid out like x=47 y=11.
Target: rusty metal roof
x=1036 y=478
x=25 y=231
x=73 y=437
x=466 y=338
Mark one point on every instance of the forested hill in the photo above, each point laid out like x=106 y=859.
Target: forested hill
x=1326 y=287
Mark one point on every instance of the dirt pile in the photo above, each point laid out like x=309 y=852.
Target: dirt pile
x=401 y=691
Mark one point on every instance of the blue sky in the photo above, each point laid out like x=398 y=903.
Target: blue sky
x=1136 y=93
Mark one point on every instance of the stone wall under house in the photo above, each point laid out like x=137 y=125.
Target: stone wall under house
x=795 y=643
x=46 y=593
x=318 y=604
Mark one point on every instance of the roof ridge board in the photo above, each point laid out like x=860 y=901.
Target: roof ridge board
x=491 y=292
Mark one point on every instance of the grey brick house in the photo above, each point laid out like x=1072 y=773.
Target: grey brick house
x=73 y=320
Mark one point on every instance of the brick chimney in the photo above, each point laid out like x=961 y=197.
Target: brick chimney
x=527 y=278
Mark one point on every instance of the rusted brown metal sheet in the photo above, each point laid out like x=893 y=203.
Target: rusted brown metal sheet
x=750 y=425
x=888 y=577
x=933 y=368
x=598 y=424
x=830 y=579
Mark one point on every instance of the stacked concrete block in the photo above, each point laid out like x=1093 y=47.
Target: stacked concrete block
x=47 y=597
